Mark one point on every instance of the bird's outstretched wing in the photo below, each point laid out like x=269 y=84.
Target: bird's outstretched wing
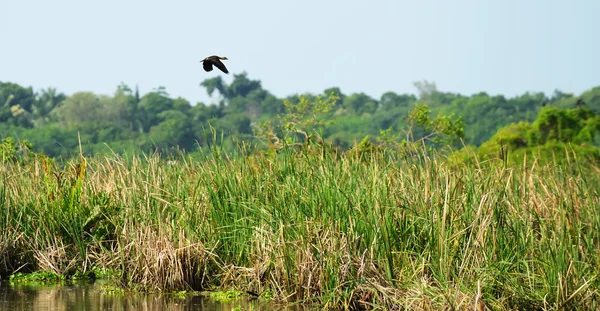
x=219 y=65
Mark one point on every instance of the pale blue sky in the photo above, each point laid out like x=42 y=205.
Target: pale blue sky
x=466 y=46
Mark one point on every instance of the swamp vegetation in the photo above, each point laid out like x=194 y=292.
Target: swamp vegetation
x=306 y=226
x=392 y=224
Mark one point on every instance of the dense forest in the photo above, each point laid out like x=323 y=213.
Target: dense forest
x=55 y=123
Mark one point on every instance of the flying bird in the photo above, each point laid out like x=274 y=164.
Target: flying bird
x=208 y=63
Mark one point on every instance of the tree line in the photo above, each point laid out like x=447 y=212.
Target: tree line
x=127 y=121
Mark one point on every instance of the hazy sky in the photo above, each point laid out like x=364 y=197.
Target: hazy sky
x=466 y=46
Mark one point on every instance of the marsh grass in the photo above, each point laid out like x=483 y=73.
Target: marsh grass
x=308 y=226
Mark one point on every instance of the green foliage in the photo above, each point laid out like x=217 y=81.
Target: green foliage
x=512 y=137
x=152 y=105
x=44 y=277
x=14 y=152
x=16 y=104
x=421 y=133
x=80 y=108
x=484 y=115
x=173 y=129
x=579 y=125
x=346 y=130
x=551 y=134
x=226 y=296
x=360 y=104
x=442 y=130
x=43 y=106
x=104 y=273
x=130 y=122
x=301 y=125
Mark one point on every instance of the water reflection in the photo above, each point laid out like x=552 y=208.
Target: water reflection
x=90 y=297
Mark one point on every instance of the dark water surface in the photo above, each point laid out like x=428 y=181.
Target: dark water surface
x=91 y=297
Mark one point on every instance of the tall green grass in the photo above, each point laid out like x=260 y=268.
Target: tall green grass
x=343 y=231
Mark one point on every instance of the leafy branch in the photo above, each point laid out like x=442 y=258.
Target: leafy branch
x=299 y=126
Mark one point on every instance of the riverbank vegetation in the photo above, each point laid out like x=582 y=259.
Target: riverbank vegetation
x=307 y=226
x=404 y=219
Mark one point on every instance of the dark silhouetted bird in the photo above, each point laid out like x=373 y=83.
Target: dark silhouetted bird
x=208 y=63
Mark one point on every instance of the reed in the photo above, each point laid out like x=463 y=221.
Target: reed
x=342 y=231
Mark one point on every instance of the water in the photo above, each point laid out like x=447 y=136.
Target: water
x=90 y=297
